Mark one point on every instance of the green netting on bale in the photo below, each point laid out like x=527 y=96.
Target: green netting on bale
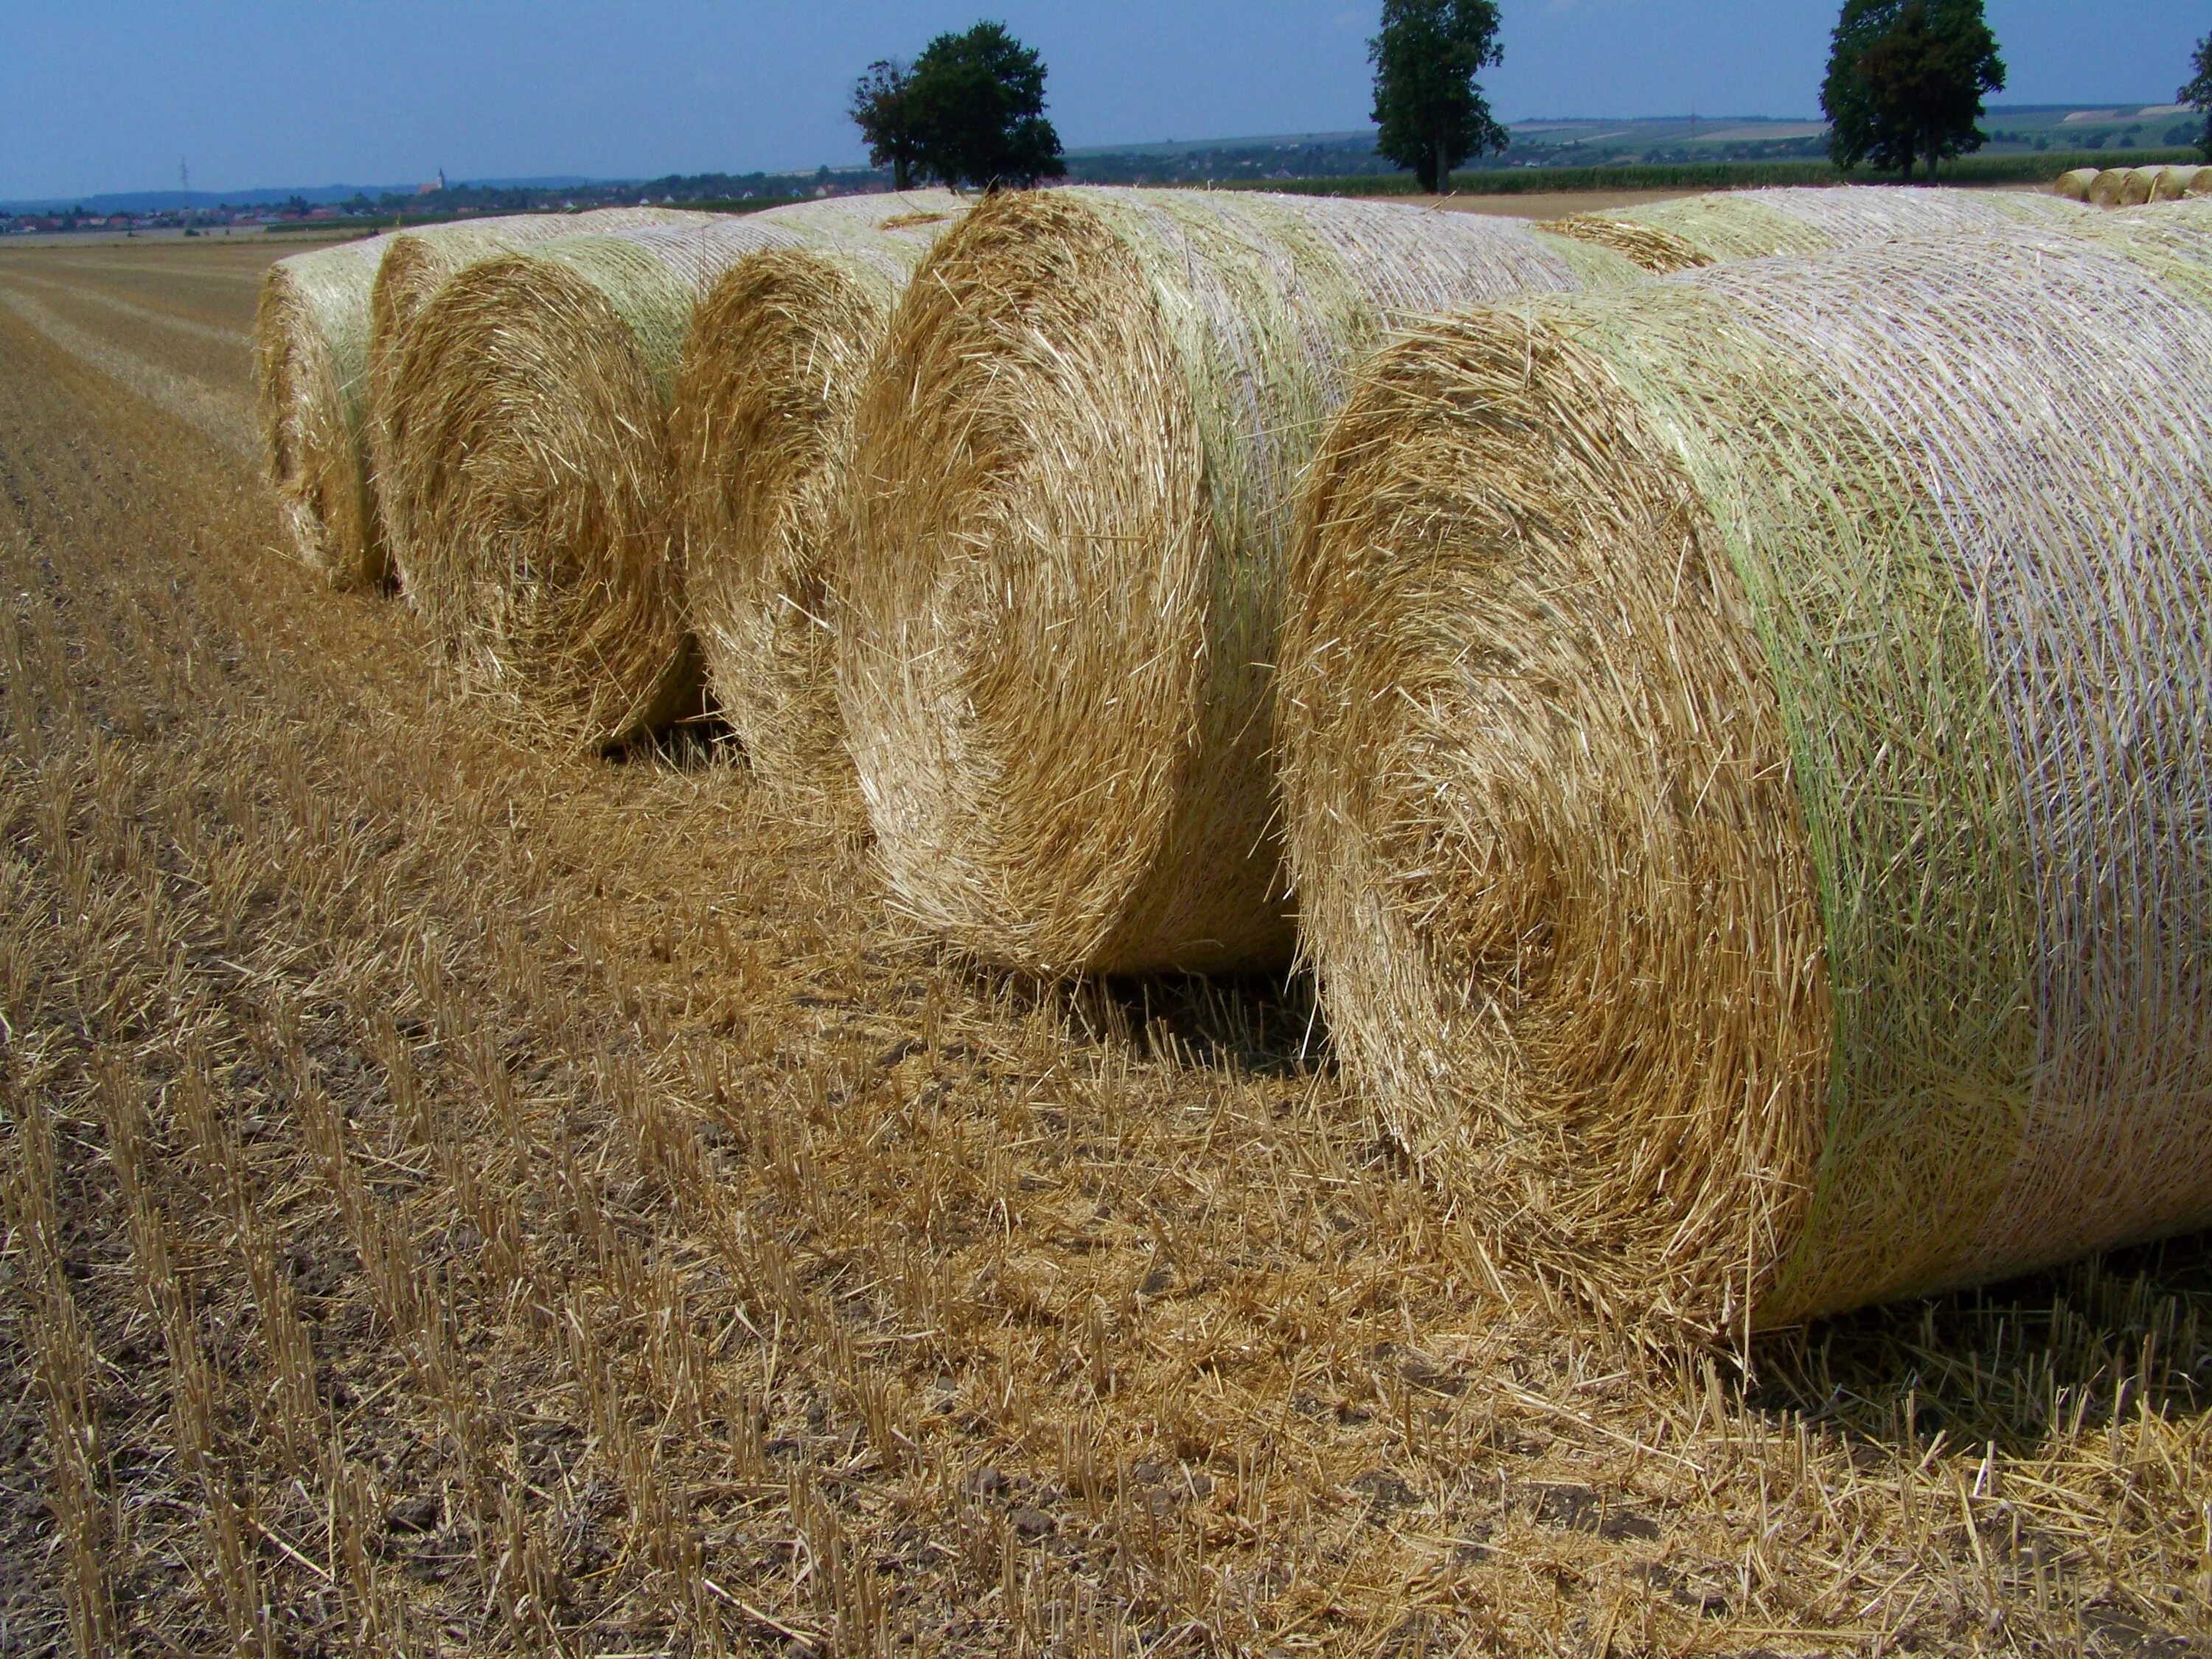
x=1753 y=224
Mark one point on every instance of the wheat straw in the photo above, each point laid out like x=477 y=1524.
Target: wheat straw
x=310 y=363
x=417 y=263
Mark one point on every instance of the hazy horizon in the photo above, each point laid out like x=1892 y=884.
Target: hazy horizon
x=107 y=99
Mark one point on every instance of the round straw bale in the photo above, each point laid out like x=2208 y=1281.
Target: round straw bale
x=2200 y=182
x=2073 y=184
x=310 y=360
x=2106 y=189
x=1664 y=237
x=528 y=475
x=1074 y=470
x=2136 y=185
x=760 y=431
x=1744 y=759
x=416 y=262
x=2172 y=183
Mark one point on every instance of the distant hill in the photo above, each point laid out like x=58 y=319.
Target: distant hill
x=1570 y=141
x=170 y=201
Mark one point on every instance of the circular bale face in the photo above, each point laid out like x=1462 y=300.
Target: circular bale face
x=1745 y=766
x=417 y=263
x=1030 y=477
x=1576 y=988
x=760 y=428
x=309 y=340
x=528 y=475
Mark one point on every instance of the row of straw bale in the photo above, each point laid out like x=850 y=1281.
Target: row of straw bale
x=2110 y=187
x=1741 y=739
x=1727 y=702
x=1074 y=483
x=527 y=481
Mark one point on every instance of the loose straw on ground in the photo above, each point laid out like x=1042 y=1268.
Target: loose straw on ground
x=527 y=480
x=1664 y=237
x=1074 y=468
x=1746 y=769
x=417 y=263
x=309 y=364
x=760 y=433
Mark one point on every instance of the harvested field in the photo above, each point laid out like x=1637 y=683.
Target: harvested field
x=460 y=1200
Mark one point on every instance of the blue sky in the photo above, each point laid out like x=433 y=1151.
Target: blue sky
x=108 y=95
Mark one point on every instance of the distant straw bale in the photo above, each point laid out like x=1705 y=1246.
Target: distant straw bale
x=1664 y=237
x=528 y=475
x=1745 y=763
x=2073 y=184
x=760 y=433
x=416 y=262
x=2109 y=186
x=1074 y=466
x=2172 y=183
x=310 y=369
x=2136 y=185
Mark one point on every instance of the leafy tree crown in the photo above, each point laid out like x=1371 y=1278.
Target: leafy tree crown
x=1428 y=105
x=882 y=108
x=1906 y=79
x=977 y=105
x=2197 y=92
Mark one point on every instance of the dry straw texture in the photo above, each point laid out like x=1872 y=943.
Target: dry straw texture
x=760 y=433
x=1746 y=771
x=1750 y=224
x=417 y=263
x=1073 y=473
x=528 y=476
x=310 y=368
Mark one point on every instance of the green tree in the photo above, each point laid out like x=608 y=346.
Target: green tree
x=882 y=108
x=1906 y=79
x=977 y=101
x=1430 y=110
x=2198 y=94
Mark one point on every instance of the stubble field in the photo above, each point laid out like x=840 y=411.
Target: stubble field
x=460 y=1198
